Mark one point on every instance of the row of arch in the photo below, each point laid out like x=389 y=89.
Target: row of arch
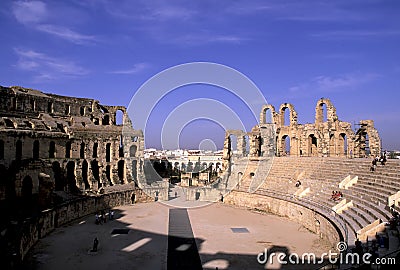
x=287 y=115
x=51 y=152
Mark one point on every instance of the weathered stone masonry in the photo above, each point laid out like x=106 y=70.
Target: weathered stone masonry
x=50 y=142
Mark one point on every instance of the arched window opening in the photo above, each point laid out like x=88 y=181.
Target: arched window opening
x=108 y=175
x=121 y=147
x=268 y=117
x=233 y=139
x=67 y=109
x=82 y=150
x=285 y=116
x=96 y=172
x=71 y=175
x=52 y=150
x=82 y=111
x=68 y=150
x=324 y=112
x=33 y=104
x=285 y=144
x=18 y=150
x=106 y=120
x=95 y=147
x=132 y=150
x=121 y=171
x=312 y=145
x=36 y=149
x=50 y=107
x=332 y=146
x=343 y=144
x=119 y=117
x=85 y=174
x=108 y=152
x=58 y=178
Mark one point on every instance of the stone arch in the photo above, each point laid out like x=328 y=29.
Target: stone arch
x=108 y=175
x=332 y=144
x=121 y=171
x=82 y=150
x=94 y=164
x=85 y=174
x=68 y=150
x=312 y=143
x=342 y=144
x=132 y=150
x=119 y=117
x=52 y=149
x=36 y=149
x=108 y=152
x=285 y=145
x=292 y=114
x=95 y=150
x=71 y=177
x=330 y=111
x=267 y=115
x=58 y=177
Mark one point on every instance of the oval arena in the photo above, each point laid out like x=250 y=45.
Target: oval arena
x=64 y=159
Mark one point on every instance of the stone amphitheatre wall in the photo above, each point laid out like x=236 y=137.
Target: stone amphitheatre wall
x=35 y=228
x=310 y=219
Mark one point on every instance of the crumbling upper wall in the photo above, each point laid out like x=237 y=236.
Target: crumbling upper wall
x=326 y=137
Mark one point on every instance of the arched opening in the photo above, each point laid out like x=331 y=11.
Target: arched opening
x=18 y=150
x=95 y=147
x=323 y=113
x=82 y=111
x=85 y=174
x=332 y=147
x=1 y=149
x=50 y=108
x=343 y=144
x=96 y=172
x=58 y=177
x=67 y=109
x=285 y=145
x=121 y=171
x=121 y=147
x=234 y=140
x=268 y=116
x=108 y=175
x=132 y=150
x=82 y=150
x=33 y=105
x=312 y=145
x=71 y=175
x=106 y=120
x=68 y=150
x=52 y=150
x=119 y=117
x=108 y=152
x=285 y=116
x=35 y=151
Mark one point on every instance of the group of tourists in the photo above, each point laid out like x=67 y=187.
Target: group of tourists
x=382 y=159
x=102 y=217
x=336 y=195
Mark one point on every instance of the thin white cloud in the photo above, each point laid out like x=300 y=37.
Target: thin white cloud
x=35 y=14
x=330 y=84
x=45 y=67
x=356 y=34
x=135 y=69
x=27 y=12
x=66 y=33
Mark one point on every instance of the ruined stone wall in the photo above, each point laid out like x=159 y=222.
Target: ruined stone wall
x=83 y=145
x=34 y=229
x=324 y=137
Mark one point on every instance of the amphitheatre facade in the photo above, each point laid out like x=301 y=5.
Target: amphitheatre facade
x=63 y=158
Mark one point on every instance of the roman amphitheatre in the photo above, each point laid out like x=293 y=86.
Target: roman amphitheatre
x=68 y=162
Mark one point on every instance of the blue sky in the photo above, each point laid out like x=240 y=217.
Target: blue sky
x=294 y=51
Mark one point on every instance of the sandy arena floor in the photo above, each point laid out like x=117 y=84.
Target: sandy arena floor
x=145 y=245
